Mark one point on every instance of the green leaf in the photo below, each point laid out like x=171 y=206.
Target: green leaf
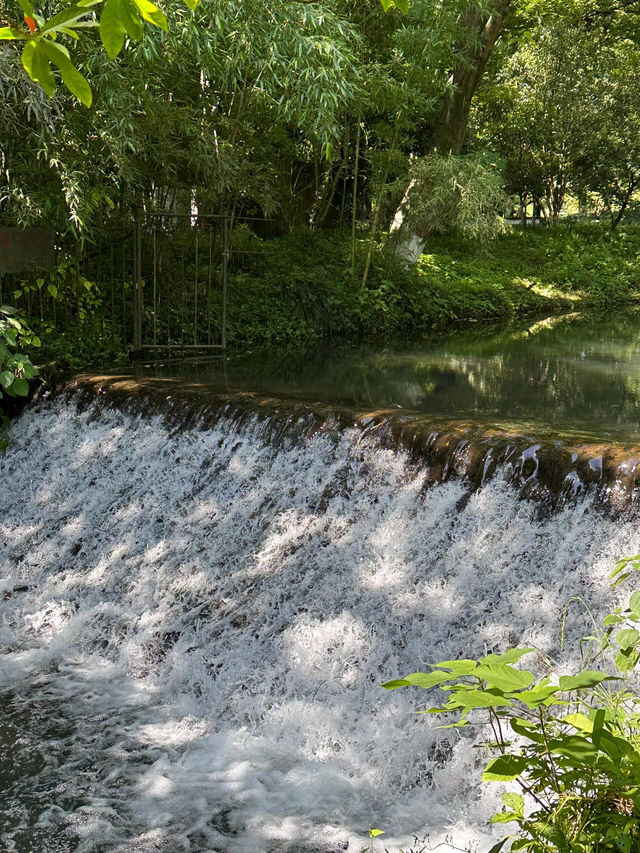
x=498 y=846
x=634 y=601
x=513 y=801
x=576 y=747
x=612 y=619
x=504 y=768
x=65 y=17
x=458 y=667
x=26 y=7
x=579 y=721
x=11 y=33
x=504 y=677
x=6 y=378
x=504 y=817
x=112 y=29
x=627 y=638
x=37 y=66
x=52 y=290
x=469 y=699
x=510 y=656
x=626 y=659
x=20 y=387
x=373 y=833
x=420 y=679
x=119 y=17
x=527 y=729
x=537 y=696
x=621 y=565
x=150 y=12
x=192 y=4
x=589 y=678
x=75 y=82
x=460 y=724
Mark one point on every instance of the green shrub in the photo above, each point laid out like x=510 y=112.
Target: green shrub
x=577 y=755
x=16 y=368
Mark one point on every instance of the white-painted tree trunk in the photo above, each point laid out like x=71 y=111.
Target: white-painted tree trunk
x=408 y=244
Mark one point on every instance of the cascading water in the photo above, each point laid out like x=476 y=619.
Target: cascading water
x=195 y=623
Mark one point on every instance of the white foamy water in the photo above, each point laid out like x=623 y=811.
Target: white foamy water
x=194 y=628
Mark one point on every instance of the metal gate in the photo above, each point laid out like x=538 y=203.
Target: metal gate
x=180 y=295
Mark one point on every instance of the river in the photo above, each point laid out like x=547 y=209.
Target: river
x=208 y=569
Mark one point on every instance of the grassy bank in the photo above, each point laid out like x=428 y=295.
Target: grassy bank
x=304 y=285
x=308 y=284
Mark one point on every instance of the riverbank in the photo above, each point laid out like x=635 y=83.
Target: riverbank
x=303 y=286
x=308 y=285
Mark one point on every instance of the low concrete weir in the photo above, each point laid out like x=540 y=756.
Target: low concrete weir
x=544 y=465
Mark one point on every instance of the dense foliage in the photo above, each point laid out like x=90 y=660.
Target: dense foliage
x=340 y=123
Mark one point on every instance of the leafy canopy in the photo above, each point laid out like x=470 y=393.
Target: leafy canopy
x=118 y=20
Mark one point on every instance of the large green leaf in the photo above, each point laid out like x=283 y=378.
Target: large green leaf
x=20 y=387
x=11 y=33
x=627 y=638
x=119 y=17
x=580 y=722
x=589 y=678
x=112 y=29
x=418 y=679
x=150 y=12
x=458 y=667
x=504 y=677
x=626 y=659
x=37 y=66
x=469 y=699
x=578 y=748
x=514 y=801
x=510 y=656
x=67 y=16
x=75 y=82
x=504 y=768
x=539 y=695
x=526 y=728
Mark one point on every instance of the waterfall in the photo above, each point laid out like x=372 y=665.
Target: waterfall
x=195 y=620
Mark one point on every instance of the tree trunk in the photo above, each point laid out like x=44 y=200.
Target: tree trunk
x=625 y=199
x=449 y=133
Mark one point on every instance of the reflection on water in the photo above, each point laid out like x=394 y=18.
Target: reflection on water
x=565 y=373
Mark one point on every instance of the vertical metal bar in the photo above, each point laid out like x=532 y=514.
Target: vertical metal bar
x=138 y=288
x=182 y=298
x=124 y=297
x=100 y=253
x=195 y=297
x=225 y=264
x=134 y=289
x=113 y=298
x=155 y=279
x=209 y=283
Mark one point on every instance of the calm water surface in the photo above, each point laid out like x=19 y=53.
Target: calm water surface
x=568 y=374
